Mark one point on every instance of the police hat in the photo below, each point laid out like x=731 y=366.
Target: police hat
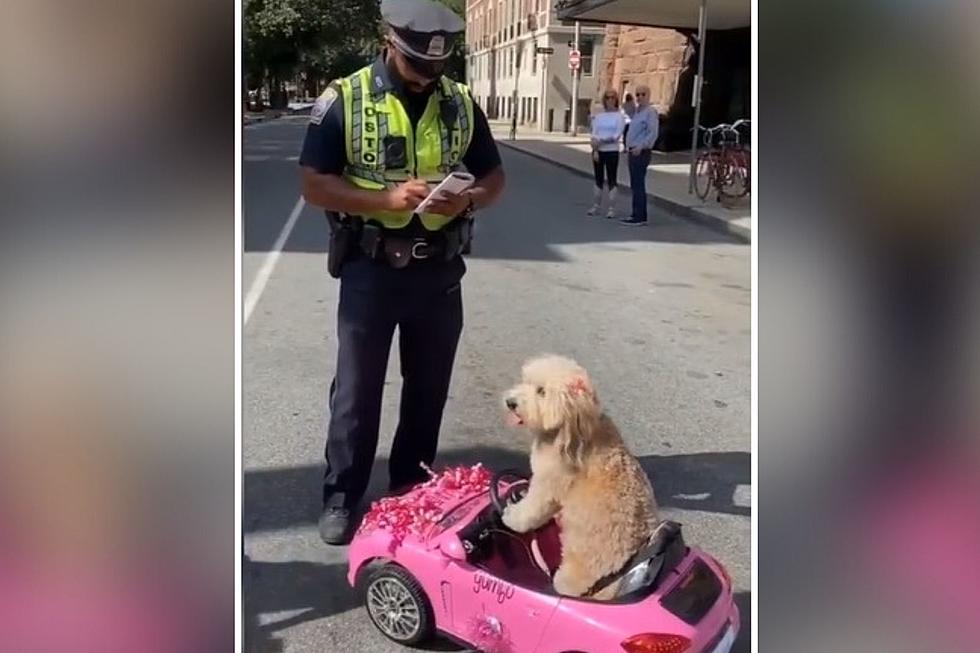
x=422 y=29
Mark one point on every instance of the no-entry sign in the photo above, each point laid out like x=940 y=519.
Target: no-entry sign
x=574 y=59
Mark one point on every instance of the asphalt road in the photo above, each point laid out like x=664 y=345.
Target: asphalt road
x=659 y=315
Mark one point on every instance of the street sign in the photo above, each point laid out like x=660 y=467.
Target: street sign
x=541 y=50
x=574 y=59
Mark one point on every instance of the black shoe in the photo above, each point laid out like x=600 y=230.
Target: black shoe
x=335 y=525
x=395 y=490
x=632 y=222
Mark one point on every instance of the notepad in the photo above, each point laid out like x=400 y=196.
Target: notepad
x=455 y=182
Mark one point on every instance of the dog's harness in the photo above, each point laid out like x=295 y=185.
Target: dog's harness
x=665 y=534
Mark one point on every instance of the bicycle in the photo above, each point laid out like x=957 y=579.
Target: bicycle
x=725 y=166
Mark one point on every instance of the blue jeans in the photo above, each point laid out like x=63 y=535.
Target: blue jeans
x=638 y=183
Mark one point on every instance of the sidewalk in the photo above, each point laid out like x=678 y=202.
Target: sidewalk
x=252 y=117
x=294 y=108
x=667 y=177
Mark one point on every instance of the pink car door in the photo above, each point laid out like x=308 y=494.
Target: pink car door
x=495 y=615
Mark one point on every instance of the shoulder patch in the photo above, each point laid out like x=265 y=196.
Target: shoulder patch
x=323 y=104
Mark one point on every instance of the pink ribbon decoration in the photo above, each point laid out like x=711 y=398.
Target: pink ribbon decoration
x=414 y=513
x=487 y=634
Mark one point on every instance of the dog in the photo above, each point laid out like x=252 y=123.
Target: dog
x=582 y=474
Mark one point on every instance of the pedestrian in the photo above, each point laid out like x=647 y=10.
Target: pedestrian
x=629 y=108
x=639 y=144
x=376 y=139
x=607 y=130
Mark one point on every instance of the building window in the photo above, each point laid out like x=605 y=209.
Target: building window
x=587 y=48
x=511 y=66
x=534 y=110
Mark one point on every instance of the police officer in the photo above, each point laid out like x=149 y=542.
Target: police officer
x=378 y=141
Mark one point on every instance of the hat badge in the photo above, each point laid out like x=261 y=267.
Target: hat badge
x=436 y=46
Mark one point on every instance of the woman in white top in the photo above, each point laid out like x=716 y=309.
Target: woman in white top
x=607 y=132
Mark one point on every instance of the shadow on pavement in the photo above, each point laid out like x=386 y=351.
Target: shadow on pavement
x=315 y=590
x=542 y=209
x=277 y=499
x=701 y=481
x=743 y=643
x=286 y=498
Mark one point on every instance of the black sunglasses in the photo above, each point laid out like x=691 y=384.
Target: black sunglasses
x=431 y=70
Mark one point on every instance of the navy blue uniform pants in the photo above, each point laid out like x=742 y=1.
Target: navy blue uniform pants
x=424 y=301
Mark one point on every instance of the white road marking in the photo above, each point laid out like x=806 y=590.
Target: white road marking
x=269 y=264
x=742 y=497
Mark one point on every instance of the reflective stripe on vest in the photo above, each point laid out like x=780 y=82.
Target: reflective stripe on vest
x=370 y=116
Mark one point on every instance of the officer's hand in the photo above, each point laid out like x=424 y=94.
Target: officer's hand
x=407 y=195
x=449 y=204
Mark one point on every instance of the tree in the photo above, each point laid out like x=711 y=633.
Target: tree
x=319 y=38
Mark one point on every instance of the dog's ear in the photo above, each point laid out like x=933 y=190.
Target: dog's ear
x=581 y=421
x=581 y=387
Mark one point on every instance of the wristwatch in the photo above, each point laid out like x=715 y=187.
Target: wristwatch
x=470 y=206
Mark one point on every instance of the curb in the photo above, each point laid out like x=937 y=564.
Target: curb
x=739 y=232
x=254 y=120
x=246 y=120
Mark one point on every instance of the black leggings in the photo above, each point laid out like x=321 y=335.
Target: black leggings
x=608 y=162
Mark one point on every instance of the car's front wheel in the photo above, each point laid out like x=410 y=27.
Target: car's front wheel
x=398 y=606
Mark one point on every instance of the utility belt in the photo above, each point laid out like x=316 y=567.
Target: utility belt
x=351 y=236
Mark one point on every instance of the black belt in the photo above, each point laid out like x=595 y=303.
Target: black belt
x=400 y=249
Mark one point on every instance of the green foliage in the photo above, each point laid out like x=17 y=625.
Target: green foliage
x=322 y=39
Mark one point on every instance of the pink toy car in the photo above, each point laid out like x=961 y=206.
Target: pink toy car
x=439 y=559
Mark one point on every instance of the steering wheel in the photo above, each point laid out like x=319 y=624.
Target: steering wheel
x=514 y=493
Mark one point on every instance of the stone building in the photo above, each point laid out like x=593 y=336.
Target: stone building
x=665 y=59
x=649 y=56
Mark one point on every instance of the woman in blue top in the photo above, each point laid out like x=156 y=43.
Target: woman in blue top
x=607 y=131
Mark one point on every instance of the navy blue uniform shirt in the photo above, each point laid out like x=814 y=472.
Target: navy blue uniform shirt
x=325 y=151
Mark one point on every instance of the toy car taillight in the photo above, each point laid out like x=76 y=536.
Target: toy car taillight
x=656 y=643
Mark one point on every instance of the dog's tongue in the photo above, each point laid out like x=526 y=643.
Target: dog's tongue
x=514 y=419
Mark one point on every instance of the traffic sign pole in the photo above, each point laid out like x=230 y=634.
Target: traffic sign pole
x=575 y=76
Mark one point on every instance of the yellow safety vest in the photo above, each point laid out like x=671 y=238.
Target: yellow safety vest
x=432 y=150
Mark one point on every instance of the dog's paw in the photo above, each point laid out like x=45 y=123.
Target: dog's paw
x=567 y=585
x=513 y=519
